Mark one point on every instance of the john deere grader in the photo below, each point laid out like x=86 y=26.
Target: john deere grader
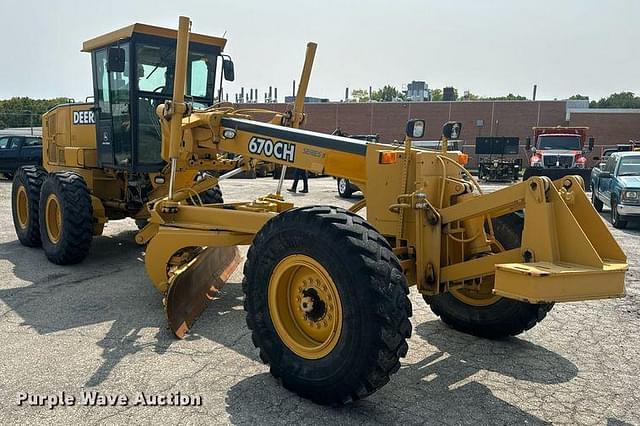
x=326 y=291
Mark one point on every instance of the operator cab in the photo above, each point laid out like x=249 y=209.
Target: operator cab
x=132 y=74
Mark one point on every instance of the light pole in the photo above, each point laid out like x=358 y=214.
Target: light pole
x=30 y=119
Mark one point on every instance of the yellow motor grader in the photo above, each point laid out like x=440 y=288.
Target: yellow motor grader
x=326 y=290
x=102 y=159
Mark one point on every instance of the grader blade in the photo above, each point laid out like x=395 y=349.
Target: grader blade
x=196 y=283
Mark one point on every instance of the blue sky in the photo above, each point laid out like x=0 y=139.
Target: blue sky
x=489 y=47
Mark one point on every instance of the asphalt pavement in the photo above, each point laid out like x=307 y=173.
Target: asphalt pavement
x=97 y=330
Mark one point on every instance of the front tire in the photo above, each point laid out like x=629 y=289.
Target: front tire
x=327 y=304
x=25 y=196
x=344 y=188
x=597 y=204
x=66 y=219
x=486 y=315
x=616 y=220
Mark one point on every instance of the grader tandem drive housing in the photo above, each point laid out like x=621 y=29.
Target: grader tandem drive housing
x=326 y=291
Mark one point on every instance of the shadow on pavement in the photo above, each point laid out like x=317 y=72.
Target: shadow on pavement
x=445 y=387
x=111 y=286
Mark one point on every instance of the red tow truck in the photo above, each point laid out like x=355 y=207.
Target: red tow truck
x=558 y=152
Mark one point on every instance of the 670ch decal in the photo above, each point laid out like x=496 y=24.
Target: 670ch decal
x=281 y=150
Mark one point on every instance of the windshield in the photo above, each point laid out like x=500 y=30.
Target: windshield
x=559 y=142
x=156 y=67
x=629 y=166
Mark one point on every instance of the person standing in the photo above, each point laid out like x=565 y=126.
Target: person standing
x=297 y=175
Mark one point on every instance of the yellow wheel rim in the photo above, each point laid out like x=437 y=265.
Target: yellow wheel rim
x=22 y=207
x=53 y=218
x=305 y=306
x=480 y=296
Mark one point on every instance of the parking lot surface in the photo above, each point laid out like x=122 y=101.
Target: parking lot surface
x=99 y=326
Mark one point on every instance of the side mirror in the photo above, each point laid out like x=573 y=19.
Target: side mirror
x=605 y=175
x=227 y=69
x=452 y=129
x=115 y=60
x=415 y=129
x=592 y=142
x=527 y=144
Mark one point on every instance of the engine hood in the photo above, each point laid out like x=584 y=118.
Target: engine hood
x=630 y=182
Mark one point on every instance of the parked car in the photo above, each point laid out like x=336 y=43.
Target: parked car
x=17 y=151
x=345 y=187
x=616 y=184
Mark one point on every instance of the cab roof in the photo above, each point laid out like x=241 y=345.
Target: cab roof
x=127 y=32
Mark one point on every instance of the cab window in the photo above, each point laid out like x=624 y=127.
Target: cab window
x=156 y=67
x=32 y=142
x=611 y=163
x=4 y=142
x=201 y=82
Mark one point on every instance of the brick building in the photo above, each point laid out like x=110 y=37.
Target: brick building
x=479 y=118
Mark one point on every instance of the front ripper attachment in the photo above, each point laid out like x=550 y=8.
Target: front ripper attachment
x=196 y=283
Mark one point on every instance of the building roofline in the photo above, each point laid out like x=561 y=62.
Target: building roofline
x=604 y=110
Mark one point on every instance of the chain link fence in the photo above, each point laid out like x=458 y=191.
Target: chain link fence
x=23 y=123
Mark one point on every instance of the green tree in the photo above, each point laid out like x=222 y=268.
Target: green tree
x=509 y=97
x=436 y=95
x=468 y=96
x=24 y=111
x=387 y=94
x=361 y=95
x=579 y=97
x=617 y=100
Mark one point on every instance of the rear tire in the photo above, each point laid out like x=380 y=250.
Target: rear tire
x=344 y=188
x=66 y=222
x=25 y=197
x=500 y=317
x=371 y=313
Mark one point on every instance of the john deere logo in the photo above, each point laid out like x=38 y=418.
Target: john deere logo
x=83 y=117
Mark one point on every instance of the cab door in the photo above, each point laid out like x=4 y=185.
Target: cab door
x=113 y=111
x=604 y=182
x=9 y=151
x=30 y=151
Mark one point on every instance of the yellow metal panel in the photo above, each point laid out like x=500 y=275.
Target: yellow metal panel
x=168 y=241
x=478 y=267
x=559 y=282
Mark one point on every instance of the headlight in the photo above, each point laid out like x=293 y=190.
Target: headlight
x=630 y=195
